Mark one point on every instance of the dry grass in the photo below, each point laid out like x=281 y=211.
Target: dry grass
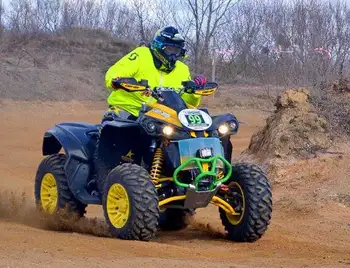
x=333 y=102
x=65 y=67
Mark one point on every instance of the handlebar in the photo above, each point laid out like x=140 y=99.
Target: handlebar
x=190 y=87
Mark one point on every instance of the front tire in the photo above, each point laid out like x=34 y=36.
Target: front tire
x=52 y=193
x=130 y=203
x=250 y=194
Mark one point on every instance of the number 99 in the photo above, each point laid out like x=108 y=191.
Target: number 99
x=195 y=119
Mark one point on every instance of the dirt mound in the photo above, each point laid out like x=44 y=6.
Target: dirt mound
x=294 y=130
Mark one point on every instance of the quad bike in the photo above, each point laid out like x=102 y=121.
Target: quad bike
x=154 y=172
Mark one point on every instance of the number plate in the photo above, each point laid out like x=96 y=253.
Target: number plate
x=195 y=119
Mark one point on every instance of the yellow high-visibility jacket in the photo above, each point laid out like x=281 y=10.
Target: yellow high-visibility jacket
x=139 y=64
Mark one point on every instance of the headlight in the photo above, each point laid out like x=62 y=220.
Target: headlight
x=223 y=129
x=168 y=131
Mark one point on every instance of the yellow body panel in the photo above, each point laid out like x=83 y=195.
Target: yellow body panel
x=164 y=113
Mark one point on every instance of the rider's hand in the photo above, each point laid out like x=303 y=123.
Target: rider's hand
x=147 y=93
x=115 y=79
x=200 y=80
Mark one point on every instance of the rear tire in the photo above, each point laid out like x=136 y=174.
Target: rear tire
x=173 y=219
x=255 y=190
x=130 y=203
x=52 y=193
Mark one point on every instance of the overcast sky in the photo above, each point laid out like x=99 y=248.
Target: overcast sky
x=347 y=1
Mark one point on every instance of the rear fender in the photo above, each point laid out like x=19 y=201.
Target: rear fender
x=78 y=141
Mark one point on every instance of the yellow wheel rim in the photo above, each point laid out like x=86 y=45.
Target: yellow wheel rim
x=48 y=193
x=236 y=219
x=118 y=205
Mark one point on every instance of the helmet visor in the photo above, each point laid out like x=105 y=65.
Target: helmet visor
x=172 y=51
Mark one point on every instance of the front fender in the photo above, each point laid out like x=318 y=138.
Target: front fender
x=223 y=118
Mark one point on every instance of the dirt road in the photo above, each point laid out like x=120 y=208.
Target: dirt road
x=308 y=228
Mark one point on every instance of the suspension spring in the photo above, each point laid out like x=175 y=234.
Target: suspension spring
x=157 y=165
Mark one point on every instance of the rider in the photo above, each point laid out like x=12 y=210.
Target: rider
x=158 y=63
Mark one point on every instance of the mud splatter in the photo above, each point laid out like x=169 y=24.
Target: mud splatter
x=16 y=207
x=207 y=229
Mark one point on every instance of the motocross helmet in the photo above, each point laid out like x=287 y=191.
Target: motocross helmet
x=168 y=46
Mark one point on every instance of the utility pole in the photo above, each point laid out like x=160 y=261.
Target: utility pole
x=213 y=65
x=1 y=10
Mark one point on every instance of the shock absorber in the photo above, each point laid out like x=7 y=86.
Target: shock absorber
x=157 y=165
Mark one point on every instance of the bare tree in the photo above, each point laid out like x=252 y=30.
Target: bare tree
x=109 y=15
x=21 y=17
x=208 y=17
x=171 y=12
x=283 y=42
x=142 y=16
x=48 y=14
x=69 y=16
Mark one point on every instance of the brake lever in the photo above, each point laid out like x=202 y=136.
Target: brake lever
x=152 y=93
